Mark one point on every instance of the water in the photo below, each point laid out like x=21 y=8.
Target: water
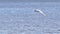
x=20 y=18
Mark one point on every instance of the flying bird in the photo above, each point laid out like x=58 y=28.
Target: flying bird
x=39 y=11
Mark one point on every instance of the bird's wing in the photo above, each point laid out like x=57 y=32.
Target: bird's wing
x=42 y=13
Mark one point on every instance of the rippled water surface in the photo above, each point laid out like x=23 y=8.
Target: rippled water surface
x=20 y=18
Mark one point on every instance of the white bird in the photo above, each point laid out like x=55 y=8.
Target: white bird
x=39 y=11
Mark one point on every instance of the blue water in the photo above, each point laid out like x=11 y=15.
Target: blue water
x=20 y=18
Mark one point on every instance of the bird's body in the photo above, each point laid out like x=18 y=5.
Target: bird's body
x=39 y=11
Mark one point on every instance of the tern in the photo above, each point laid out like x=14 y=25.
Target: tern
x=39 y=11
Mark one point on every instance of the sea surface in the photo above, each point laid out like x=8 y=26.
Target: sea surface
x=20 y=18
